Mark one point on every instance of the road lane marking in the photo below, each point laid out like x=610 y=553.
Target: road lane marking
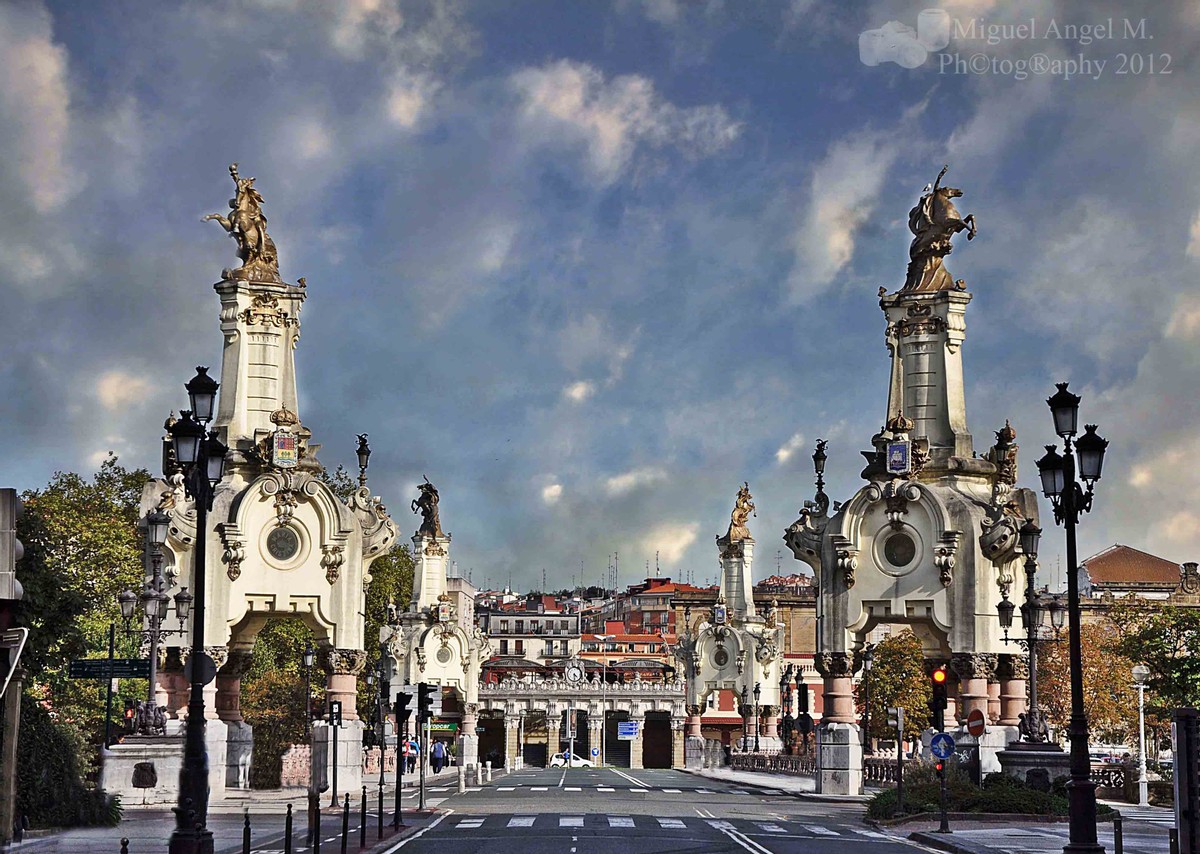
x=563 y=780
x=445 y=815
x=572 y=789
x=469 y=823
x=507 y=789
x=873 y=834
x=570 y=821
x=433 y=802
x=745 y=841
x=672 y=791
x=538 y=789
x=629 y=777
x=770 y=792
x=672 y=823
x=643 y=791
x=771 y=828
x=703 y=813
x=705 y=792
x=720 y=824
x=820 y=831
x=605 y=789
x=521 y=821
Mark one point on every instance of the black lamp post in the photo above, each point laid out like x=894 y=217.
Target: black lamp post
x=1058 y=475
x=788 y=724
x=745 y=717
x=868 y=660
x=757 y=721
x=155 y=607
x=1034 y=612
x=202 y=459
x=309 y=655
x=364 y=457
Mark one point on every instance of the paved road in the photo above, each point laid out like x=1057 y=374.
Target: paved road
x=638 y=812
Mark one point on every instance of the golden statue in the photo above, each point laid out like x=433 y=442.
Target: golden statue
x=248 y=226
x=743 y=506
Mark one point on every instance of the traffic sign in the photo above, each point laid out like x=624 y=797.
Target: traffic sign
x=627 y=730
x=98 y=668
x=595 y=751
x=976 y=723
x=942 y=745
x=208 y=668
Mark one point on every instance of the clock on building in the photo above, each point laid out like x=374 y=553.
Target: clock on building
x=574 y=673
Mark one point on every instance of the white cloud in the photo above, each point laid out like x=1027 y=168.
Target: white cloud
x=551 y=493
x=1193 y=247
x=579 y=391
x=845 y=188
x=34 y=104
x=572 y=102
x=1185 y=319
x=408 y=97
x=670 y=540
x=357 y=22
x=117 y=389
x=788 y=449
x=635 y=479
x=1179 y=529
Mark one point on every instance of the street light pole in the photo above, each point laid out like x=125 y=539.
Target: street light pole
x=1140 y=673
x=203 y=460
x=868 y=660
x=757 y=720
x=1058 y=475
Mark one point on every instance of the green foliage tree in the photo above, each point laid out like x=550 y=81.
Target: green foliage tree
x=896 y=679
x=1166 y=638
x=1108 y=694
x=82 y=547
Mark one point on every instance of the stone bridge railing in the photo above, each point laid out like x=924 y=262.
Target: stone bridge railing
x=775 y=763
x=297 y=765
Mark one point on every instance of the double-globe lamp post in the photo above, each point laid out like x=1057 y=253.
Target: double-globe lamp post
x=1058 y=474
x=1140 y=674
x=201 y=456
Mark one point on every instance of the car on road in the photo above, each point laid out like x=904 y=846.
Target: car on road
x=560 y=761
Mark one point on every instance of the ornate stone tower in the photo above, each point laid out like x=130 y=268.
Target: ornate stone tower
x=734 y=648
x=930 y=541
x=433 y=641
x=280 y=543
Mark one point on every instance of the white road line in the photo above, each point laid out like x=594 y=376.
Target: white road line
x=433 y=802
x=563 y=780
x=605 y=789
x=673 y=823
x=521 y=821
x=643 y=791
x=745 y=841
x=538 y=789
x=770 y=828
x=620 y=821
x=469 y=823
x=703 y=813
x=572 y=789
x=705 y=792
x=820 y=831
x=720 y=824
x=629 y=777
x=736 y=792
x=672 y=791
x=507 y=789
x=873 y=834
x=570 y=821
x=420 y=832
x=770 y=792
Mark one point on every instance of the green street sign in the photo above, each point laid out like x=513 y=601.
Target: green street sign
x=443 y=726
x=102 y=668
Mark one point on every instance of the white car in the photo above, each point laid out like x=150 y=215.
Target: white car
x=560 y=760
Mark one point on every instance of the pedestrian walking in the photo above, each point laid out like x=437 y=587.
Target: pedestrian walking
x=438 y=755
x=414 y=753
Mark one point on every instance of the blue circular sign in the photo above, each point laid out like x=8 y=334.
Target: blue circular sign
x=942 y=745
x=595 y=751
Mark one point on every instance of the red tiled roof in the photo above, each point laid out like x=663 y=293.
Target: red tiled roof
x=1120 y=564
x=628 y=638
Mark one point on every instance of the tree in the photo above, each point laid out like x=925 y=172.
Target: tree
x=1109 y=698
x=896 y=679
x=1165 y=638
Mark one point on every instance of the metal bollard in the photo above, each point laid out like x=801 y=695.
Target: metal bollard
x=362 y=821
x=315 y=819
x=379 y=830
x=124 y=845
x=345 y=821
x=1173 y=837
x=287 y=831
x=488 y=765
x=246 y=833
x=1118 y=836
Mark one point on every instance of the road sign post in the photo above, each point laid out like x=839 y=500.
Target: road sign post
x=627 y=730
x=942 y=746
x=896 y=719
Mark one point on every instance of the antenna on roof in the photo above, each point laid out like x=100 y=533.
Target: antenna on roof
x=656 y=563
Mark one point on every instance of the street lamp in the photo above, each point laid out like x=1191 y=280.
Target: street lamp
x=1058 y=475
x=1034 y=613
x=156 y=608
x=757 y=722
x=604 y=639
x=364 y=456
x=202 y=459
x=1140 y=674
x=309 y=655
x=868 y=660
x=745 y=709
x=787 y=726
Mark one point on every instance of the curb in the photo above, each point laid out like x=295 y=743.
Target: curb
x=939 y=842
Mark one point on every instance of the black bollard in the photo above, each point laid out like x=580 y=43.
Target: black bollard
x=315 y=813
x=345 y=822
x=362 y=821
x=1118 y=836
x=124 y=845
x=287 y=831
x=380 y=829
x=246 y=834
x=1173 y=840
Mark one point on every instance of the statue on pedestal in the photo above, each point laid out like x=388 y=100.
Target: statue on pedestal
x=247 y=225
x=427 y=505
x=934 y=221
x=742 y=508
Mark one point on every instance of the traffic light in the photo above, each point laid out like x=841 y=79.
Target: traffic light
x=940 y=766
x=937 y=703
x=403 y=698
x=130 y=712
x=424 y=695
x=801 y=698
x=896 y=719
x=335 y=713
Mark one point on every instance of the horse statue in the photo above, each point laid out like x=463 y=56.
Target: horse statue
x=742 y=508
x=247 y=225
x=933 y=221
x=427 y=505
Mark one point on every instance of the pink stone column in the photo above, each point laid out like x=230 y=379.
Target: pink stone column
x=342 y=667
x=1013 y=672
x=974 y=671
x=993 y=709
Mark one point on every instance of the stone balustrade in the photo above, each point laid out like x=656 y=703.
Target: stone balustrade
x=673 y=687
x=775 y=763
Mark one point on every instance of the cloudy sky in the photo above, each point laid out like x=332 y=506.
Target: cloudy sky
x=589 y=266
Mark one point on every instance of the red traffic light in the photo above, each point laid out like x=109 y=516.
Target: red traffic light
x=939 y=766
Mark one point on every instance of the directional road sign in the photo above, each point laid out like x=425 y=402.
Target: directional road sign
x=942 y=745
x=595 y=751
x=627 y=730
x=98 y=668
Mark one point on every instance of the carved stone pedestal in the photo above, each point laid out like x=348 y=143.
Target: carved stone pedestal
x=1048 y=761
x=349 y=759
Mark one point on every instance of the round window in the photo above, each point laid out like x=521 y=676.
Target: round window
x=720 y=657
x=283 y=543
x=444 y=655
x=899 y=549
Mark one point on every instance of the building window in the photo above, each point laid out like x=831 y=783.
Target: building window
x=520 y=647
x=566 y=650
x=504 y=627
x=549 y=648
x=504 y=647
x=520 y=627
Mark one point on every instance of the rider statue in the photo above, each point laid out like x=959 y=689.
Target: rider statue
x=247 y=225
x=742 y=508
x=427 y=505
x=934 y=221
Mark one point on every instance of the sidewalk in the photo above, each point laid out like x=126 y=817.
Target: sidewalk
x=800 y=786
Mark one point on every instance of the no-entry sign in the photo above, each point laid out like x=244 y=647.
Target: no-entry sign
x=976 y=723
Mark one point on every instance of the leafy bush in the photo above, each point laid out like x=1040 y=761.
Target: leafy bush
x=50 y=787
x=1000 y=794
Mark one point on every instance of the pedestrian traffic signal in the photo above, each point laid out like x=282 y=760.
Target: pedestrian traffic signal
x=801 y=698
x=403 y=698
x=938 y=702
x=940 y=767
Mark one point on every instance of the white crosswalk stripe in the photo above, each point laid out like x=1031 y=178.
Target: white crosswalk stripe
x=570 y=821
x=720 y=824
x=572 y=789
x=643 y=791
x=620 y=821
x=469 y=823
x=872 y=834
x=507 y=789
x=1154 y=815
x=820 y=831
x=672 y=791
x=672 y=823
x=521 y=821
x=605 y=789
x=771 y=828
